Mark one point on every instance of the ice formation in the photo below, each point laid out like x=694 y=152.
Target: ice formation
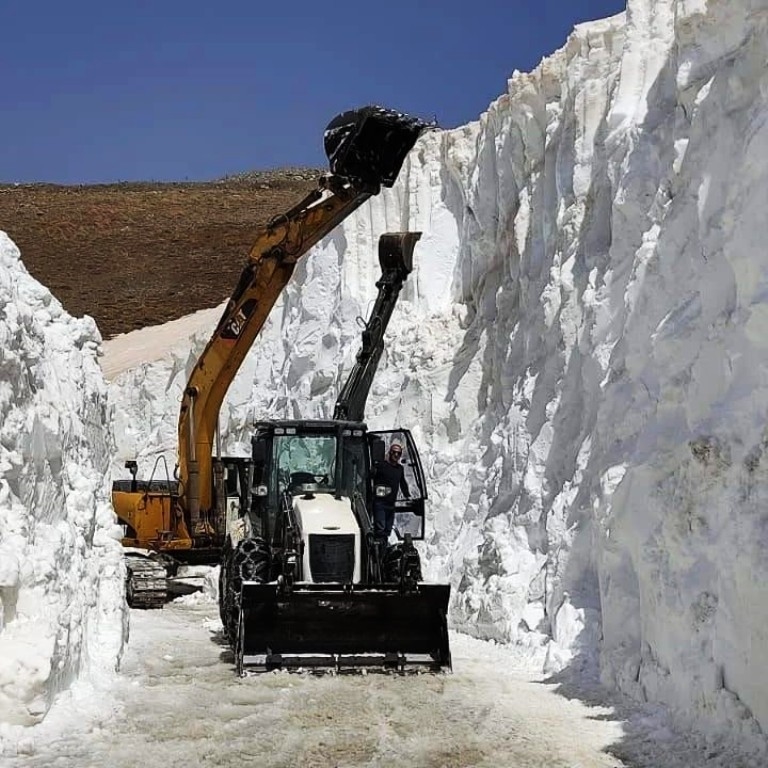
x=61 y=596
x=581 y=352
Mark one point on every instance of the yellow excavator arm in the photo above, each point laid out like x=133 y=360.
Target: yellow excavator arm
x=269 y=268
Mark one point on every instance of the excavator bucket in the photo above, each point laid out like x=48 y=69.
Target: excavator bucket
x=368 y=145
x=343 y=627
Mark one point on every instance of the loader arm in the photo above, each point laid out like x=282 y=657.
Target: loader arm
x=269 y=268
x=396 y=260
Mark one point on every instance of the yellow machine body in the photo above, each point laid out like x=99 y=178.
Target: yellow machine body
x=152 y=520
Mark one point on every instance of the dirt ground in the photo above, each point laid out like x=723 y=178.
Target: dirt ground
x=132 y=255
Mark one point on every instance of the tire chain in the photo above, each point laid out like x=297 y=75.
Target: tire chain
x=249 y=561
x=401 y=561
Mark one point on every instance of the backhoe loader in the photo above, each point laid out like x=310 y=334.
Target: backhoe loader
x=184 y=519
x=304 y=580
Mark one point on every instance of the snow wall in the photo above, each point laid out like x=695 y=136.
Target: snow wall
x=61 y=583
x=582 y=352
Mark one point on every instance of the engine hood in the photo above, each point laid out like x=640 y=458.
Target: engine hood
x=323 y=513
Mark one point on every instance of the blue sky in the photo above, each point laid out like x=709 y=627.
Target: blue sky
x=169 y=90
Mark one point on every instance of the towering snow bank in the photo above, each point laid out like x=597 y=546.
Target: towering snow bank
x=61 y=586
x=581 y=351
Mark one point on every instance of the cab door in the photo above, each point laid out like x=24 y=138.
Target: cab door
x=409 y=512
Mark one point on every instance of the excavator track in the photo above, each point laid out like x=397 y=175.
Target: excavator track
x=147 y=585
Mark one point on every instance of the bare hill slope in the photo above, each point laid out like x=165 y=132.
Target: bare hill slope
x=132 y=255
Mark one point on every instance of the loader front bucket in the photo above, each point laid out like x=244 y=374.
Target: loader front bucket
x=343 y=628
x=368 y=145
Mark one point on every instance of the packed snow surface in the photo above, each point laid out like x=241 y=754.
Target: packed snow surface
x=581 y=353
x=61 y=596
x=179 y=703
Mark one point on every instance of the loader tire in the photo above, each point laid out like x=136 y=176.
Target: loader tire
x=249 y=561
x=402 y=564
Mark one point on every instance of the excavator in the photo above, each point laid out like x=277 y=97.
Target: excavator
x=305 y=582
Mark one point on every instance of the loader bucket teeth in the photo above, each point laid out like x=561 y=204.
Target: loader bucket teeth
x=368 y=146
x=322 y=625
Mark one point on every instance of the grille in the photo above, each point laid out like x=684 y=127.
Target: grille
x=332 y=557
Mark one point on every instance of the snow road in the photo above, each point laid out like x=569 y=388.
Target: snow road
x=179 y=703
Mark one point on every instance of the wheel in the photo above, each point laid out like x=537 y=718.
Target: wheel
x=402 y=564
x=249 y=545
x=253 y=564
x=249 y=561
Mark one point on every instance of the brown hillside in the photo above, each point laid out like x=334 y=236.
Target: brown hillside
x=132 y=255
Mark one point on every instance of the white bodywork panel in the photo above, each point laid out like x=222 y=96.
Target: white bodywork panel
x=323 y=514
